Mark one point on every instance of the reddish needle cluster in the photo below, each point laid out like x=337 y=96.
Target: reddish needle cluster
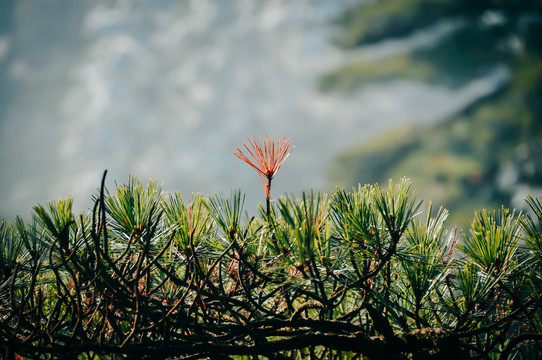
x=267 y=158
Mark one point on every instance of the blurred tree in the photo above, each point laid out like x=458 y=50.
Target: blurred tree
x=489 y=152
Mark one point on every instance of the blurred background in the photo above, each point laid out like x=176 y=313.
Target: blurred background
x=446 y=92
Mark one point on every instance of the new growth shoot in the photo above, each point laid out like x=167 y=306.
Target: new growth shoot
x=266 y=156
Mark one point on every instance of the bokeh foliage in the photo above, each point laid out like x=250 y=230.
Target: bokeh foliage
x=485 y=153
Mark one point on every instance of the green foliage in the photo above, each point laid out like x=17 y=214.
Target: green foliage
x=133 y=207
x=10 y=249
x=191 y=223
x=363 y=214
x=58 y=218
x=493 y=241
x=475 y=286
x=303 y=226
x=358 y=273
x=227 y=212
x=533 y=229
x=425 y=264
x=34 y=244
x=533 y=241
